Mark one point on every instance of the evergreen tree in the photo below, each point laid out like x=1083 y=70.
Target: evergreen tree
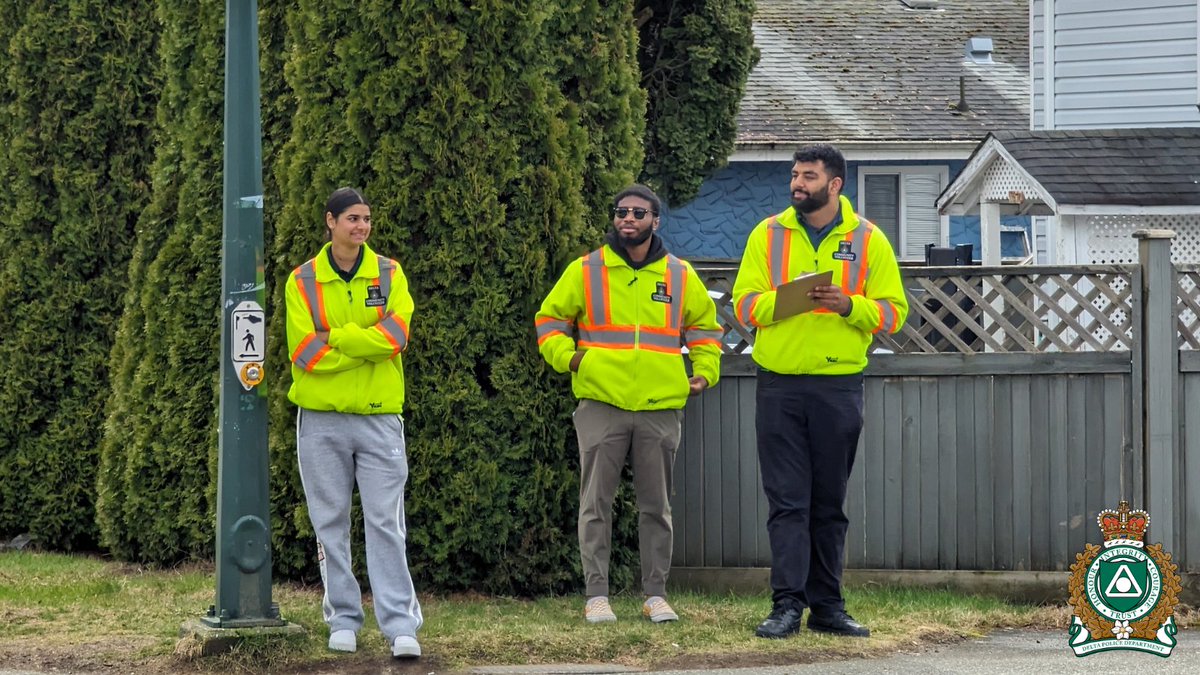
x=473 y=142
x=156 y=488
x=77 y=105
x=695 y=57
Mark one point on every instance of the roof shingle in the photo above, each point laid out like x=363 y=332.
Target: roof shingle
x=1131 y=167
x=877 y=71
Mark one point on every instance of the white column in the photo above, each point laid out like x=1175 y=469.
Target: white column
x=989 y=233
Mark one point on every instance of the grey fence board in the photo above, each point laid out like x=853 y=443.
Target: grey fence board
x=910 y=474
x=927 y=452
x=713 y=482
x=1060 y=476
x=947 y=464
x=1003 y=483
x=1190 y=414
x=1040 y=516
x=893 y=514
x=985 y=526
x=1022 y=479
x=731 y=502
x=870 y=465
x=964 y=435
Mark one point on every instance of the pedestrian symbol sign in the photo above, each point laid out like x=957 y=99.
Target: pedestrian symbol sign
x=248 y=341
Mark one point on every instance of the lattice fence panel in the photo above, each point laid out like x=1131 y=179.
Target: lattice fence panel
x=1187 y=300
x=1110 y=238
x=969 y=310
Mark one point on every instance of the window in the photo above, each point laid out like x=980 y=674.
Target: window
x=902 y=201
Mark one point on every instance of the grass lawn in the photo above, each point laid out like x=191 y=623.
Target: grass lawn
x=82 y=613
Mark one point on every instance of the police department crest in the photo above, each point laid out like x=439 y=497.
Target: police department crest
x=1124 y=593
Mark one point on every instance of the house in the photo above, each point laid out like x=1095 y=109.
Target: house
x=1114 y=144
x=906 y=88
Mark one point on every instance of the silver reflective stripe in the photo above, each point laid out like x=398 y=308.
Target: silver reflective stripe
x=778 y=243
x=597 y=299
x=547 y=328
x=394 y=328
x=308 y=356
x=858 y=246
x=307 y=277
x=619 y=337
x=661 y=341
x=745 y=315
x=676 y=280
x=385 y=276
x=693 y=335
x=887 y=316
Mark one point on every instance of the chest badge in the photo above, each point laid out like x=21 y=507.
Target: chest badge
x=660 y=293
x=844 y=252
x=375 y=297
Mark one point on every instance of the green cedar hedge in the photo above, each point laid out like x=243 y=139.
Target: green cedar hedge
x=489 y=135
x=156 y=484
x=695 y=56
x=76 y=108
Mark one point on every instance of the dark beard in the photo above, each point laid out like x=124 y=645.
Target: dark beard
x=813 y=202
x=630 y=242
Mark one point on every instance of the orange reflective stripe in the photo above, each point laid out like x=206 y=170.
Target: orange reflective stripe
x=779 y=252
x=676 y=288
x=887 y=317
x=612 y=337
x=745 y=309
x=854 y=271
x=387 y=270
x=595 y=288
x=694 y=337
x=549 y=326
x=309 y=352
x=312 y=294
x=395 y=330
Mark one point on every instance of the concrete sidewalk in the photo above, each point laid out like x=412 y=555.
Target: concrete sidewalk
x=1019 y=652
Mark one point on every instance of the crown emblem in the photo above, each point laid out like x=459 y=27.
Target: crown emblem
x=1123 y=524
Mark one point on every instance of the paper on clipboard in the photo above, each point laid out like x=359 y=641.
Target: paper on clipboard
x=792 y=298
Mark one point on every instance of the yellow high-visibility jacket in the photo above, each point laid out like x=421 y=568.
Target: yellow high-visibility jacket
x=819 y=342
x=630 y=325
x=358 y=369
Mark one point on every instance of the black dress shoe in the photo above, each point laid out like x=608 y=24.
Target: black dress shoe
x=784 y=620
x=838 y=623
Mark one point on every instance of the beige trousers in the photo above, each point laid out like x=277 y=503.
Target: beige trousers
x=649 y=439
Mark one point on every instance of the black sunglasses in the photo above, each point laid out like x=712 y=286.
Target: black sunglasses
x=622 y=211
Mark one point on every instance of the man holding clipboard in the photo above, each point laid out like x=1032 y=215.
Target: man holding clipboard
x=816 y=281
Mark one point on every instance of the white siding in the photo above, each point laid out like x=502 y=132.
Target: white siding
x=1037 y=63
x=1117 y=63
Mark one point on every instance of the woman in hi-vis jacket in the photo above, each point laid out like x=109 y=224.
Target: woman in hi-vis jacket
x=348 y=313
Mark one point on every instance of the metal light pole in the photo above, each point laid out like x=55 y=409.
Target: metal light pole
x=243 y=597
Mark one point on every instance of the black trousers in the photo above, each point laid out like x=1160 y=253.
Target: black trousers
x=808 y=428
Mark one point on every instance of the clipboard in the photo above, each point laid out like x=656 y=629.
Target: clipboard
x=792 y=298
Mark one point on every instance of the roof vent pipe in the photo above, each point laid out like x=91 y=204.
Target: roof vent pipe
x=920 y=4
x=979 y=50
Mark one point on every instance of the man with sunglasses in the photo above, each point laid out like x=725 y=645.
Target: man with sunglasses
x=618 y=320
x=809 y=400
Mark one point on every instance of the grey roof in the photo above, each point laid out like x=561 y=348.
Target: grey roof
x=1134 y=167
x=874 y=70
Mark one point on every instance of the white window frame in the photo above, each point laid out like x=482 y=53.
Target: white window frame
x=942 y=171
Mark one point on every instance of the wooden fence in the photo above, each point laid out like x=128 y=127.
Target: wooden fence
x=1014 y=404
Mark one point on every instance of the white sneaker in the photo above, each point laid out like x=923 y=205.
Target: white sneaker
x=406 y=647
x=657 y=610
x=343 y=641
x=597 y=610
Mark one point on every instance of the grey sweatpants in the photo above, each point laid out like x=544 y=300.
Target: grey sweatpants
x=607 y=437
x=334 y=451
